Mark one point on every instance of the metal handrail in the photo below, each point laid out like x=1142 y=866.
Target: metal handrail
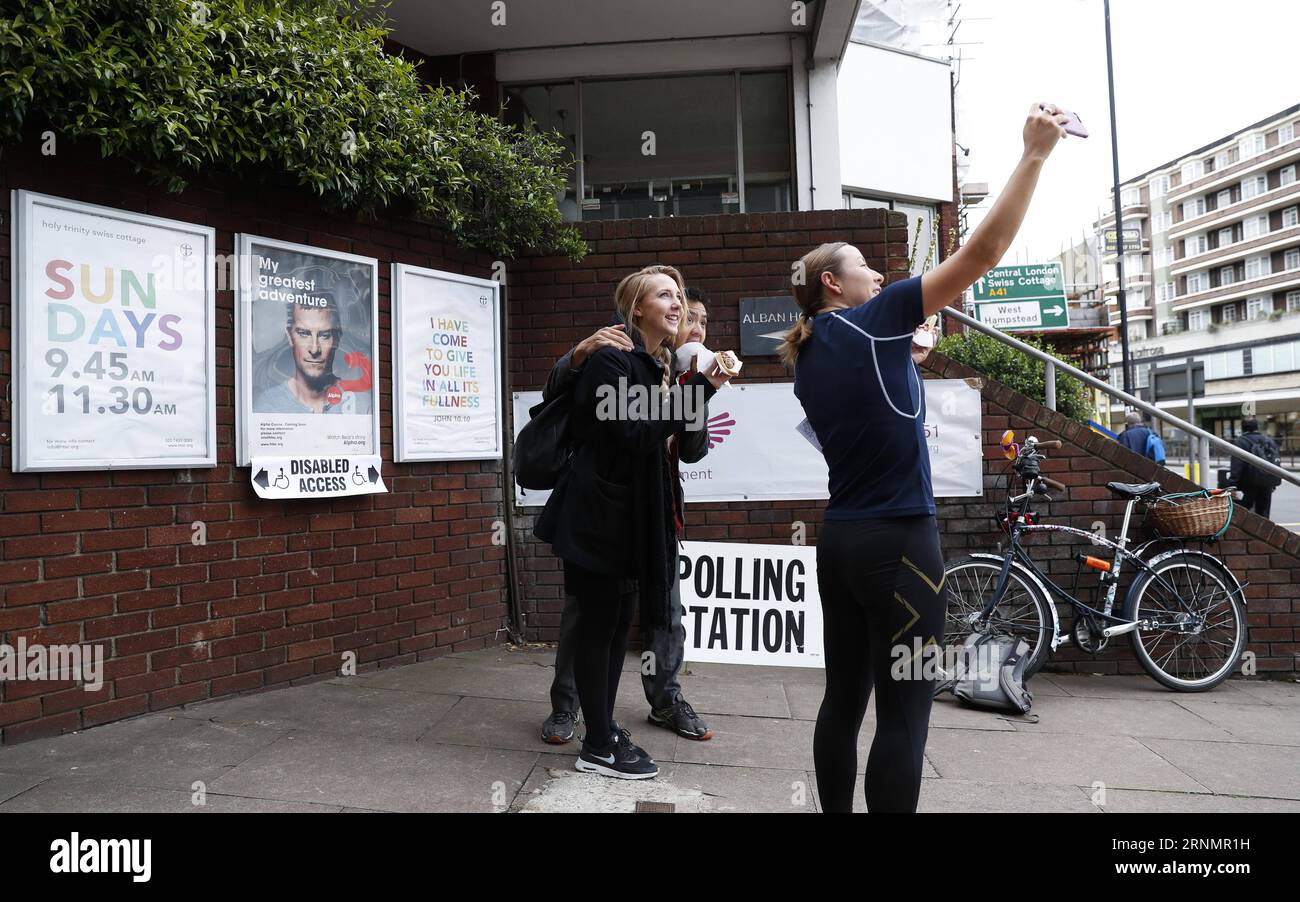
x=1054 y=364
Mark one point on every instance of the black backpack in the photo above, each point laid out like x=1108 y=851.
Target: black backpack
x=542 y=450
x=1266 y=449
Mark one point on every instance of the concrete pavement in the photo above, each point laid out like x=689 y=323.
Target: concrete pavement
x=461 y=733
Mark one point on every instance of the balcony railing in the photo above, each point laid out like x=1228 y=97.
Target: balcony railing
x=1228 y=252
x=1269 y=200
x=1236 y=170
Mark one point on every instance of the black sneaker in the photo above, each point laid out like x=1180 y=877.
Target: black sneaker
x=624 y=738
x=558 y=728
x=619 y=759
x=681 y=719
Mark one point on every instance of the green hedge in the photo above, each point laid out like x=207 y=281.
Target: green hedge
x=285 y=90
x=1017 y=371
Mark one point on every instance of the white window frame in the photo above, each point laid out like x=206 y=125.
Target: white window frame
x=1287 y=175
x=1196 y=282
x=1224 y=198
x=1227 y=275
x=1293 y=301
x=1291 y=217
x=1196 y=320
x=1158 y=186
x=1286 y=133
x=1291 y=260
x=1257 y=267
x=1225 y=237
x=1255 y=307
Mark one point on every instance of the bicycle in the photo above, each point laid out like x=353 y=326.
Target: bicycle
x=1184 y=611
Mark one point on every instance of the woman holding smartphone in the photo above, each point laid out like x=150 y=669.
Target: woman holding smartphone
x=612 y=518
x=879 y=565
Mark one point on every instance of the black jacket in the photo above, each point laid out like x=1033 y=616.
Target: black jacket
x=612 y=510
x=1242 y=474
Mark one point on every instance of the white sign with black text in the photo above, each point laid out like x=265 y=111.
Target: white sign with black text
x=751 y=604
x=325 y=476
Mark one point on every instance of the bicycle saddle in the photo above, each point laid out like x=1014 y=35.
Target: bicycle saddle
x=1134 y=489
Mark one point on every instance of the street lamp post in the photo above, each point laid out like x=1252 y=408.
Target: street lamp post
x=1126 y=365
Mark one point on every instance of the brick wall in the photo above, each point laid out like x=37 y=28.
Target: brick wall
x=281 y=589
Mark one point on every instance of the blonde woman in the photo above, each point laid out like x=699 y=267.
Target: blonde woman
x=613 y=517
x=879 y=566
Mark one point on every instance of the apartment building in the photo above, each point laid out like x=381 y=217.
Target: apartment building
x=1212 y=272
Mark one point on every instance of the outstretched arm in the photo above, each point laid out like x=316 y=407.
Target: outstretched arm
x=990 y=240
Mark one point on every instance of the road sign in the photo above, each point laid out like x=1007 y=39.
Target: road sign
x=1031 y=314
x=1023 y=298
x=1015 y=283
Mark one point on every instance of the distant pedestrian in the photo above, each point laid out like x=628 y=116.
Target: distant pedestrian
x=1256 y=485
x=1141 y=439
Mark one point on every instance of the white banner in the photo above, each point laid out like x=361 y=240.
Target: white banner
x=445 y=366
x=751 y=604
x=306 y=344
x=757 y=454
x=114 y=344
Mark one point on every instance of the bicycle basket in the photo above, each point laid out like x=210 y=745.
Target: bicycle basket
x=1192 y=514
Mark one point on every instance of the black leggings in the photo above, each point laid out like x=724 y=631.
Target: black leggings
x=881 y=589
x=605 y=608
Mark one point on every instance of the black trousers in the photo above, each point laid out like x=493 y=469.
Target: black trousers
x=881 y=584
x=605 y=607
x=667 y=648
x=1258 y=500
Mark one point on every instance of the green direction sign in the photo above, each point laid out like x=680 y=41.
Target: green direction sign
x=1023 y=298
x=1024 y=315
x=1011 y=283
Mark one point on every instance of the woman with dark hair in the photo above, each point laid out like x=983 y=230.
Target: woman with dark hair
x=613 y=518
x=879 y=565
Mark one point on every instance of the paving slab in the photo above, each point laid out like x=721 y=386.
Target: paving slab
x=1121 y=717
x=96 y=796
x=13 y=784
x=1139 y=688
x=397 y=775
x=1265 y=725
x=1274 y=692
x=526 y=680
x=332 y=707
x=1070 y=759
x=1267 y=771
x=159 y=750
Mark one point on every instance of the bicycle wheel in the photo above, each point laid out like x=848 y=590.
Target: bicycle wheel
x=1200 y=618
x=1023 y=612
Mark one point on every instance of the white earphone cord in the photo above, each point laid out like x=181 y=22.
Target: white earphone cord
x=881 y=379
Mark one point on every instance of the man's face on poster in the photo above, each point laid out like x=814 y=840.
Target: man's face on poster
x=314 y=336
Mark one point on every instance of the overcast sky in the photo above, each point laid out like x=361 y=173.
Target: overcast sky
x=1186 y=73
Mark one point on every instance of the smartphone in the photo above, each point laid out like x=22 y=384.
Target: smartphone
x=1073 y=125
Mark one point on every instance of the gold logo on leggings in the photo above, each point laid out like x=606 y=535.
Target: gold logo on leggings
x=917 y=570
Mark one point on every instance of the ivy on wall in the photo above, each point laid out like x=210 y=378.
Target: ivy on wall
x=1018 y=372
x=289 y=91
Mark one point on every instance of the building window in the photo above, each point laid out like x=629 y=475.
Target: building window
x=1253 y=187
x=1225 y=237
x=1292 y=301
x=1227 y=275
x=1196 y=282
x=1164 y=221
x=1254 y=227
x=1223 y=199
x=1292 y=259
x=696 y=168
x=1158 y=186
x=1192 y=171
x=1290 y=217
x=1165 y=256
x=1229 y=313
x=1287 y=175
x=1286 y=133
x=1257 y=267
x=1193 y=208
x=1196 y=320
x=1256 y=307
x=1130 y=196
x=1193 y=245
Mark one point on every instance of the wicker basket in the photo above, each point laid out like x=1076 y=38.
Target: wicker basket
x=1193 y=515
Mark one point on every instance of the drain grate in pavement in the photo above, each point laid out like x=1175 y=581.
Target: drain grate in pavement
x=655 y=807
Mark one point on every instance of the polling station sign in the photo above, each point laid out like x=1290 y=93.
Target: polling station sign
x=114 y=342
x=751 y=604
x=756 y=452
